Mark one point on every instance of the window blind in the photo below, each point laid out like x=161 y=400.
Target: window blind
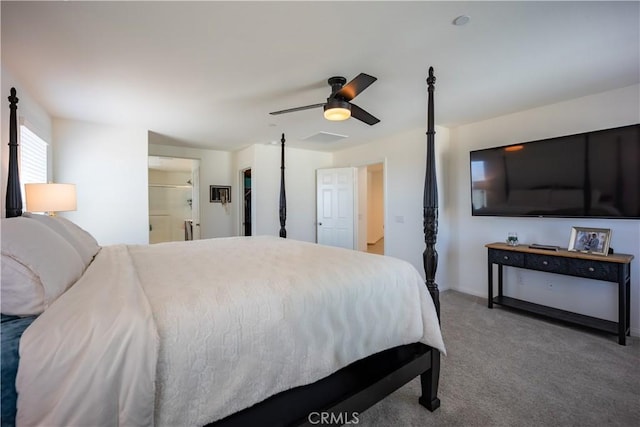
x=33 y=159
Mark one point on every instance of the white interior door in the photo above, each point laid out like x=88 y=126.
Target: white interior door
x=336 y=207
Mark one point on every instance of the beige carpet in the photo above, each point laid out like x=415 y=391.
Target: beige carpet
x=510 y=369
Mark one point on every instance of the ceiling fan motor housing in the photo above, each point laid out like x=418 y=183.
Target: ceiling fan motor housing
x=336 y=84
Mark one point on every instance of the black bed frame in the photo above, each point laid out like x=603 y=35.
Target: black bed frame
x=340 y=397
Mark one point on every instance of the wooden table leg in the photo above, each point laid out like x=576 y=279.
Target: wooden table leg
x=490 y=284
x=622 y=308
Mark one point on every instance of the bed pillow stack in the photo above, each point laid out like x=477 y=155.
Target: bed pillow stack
x=83 y=242
x=42 y=257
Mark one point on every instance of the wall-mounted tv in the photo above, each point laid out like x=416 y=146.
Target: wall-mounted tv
x=588 y=175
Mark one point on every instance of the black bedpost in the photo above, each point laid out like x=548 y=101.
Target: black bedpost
x=430 y=379
x=430 y=202
x=13 y=205
x=283 y=195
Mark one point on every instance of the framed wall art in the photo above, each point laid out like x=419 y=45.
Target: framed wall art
x=220 y=194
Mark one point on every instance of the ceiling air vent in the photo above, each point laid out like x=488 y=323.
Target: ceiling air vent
x=324 y=137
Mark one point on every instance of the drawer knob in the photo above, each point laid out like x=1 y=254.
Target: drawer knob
x=592 y=269
x=545 y=262
x=506 y=257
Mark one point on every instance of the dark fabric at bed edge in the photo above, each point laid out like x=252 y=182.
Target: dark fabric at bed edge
x=11 y=330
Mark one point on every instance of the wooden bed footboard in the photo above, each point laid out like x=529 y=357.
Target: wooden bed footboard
x=340 y=398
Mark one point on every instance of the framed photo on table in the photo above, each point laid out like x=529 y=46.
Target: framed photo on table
x=590 y=240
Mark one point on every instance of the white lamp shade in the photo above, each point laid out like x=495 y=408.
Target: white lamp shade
x=50 y=197
x=337 y=114
x=337 y=109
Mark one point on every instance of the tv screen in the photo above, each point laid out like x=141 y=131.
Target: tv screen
x=588 y=175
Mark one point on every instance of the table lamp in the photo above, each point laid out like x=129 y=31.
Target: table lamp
x=50 y=198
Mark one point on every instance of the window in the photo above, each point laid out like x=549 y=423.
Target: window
x=33 y=159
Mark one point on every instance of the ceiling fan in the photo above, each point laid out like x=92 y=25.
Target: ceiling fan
x=338 y=105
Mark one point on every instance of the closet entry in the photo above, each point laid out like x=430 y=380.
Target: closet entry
x=246 y=204
x=174 y=202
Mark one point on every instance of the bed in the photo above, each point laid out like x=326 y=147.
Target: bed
x=144 y=335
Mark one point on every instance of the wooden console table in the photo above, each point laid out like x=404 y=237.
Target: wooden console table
x=612 y=268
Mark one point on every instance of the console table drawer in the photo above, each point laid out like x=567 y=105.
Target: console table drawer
x=506 y=258
x=594 y=270
x=546 y=263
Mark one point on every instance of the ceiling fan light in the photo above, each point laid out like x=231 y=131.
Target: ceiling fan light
x=337 y=110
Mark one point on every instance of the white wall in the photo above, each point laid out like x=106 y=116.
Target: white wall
x=404 y=158
x=29 y=111
x=109 y=167
x=216 y=168
x=300 y=181
x=470 y=234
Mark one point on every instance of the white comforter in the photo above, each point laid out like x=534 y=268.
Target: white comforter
x=188 y=333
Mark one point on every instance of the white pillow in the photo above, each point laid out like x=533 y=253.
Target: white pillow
x=88 y=243
x=81 y=240
x=22 y=291
x=51 y=265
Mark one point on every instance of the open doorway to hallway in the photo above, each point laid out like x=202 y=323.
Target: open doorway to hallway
x=371 y=203
x=375 y=209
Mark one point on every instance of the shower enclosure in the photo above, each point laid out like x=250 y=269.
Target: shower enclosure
x=173 y=199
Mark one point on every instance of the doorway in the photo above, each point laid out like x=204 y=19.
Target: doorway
x=174 y=199
x=335 y=192
x=351 y=207
x=374 y=208
x=245 y=176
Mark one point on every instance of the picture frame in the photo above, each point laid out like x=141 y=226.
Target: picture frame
x=220 y=194
x=590 y=240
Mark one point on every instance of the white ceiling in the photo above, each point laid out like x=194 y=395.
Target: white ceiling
x=206 y=74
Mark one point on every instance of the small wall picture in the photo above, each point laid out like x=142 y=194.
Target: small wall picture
x=220 y=194
x=590 y=240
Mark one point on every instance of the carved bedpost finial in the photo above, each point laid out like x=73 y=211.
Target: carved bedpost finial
x=283 y=195
x=430 y=202
x=13 y=100
x=13 y=205
x=431 y=80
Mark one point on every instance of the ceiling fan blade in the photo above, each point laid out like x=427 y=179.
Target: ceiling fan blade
x=355 y=86
x=291 y=110
x=363 y=116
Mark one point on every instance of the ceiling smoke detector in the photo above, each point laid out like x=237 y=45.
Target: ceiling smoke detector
x=461 y=20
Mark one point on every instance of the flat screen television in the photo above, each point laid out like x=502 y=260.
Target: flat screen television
x=588 y=175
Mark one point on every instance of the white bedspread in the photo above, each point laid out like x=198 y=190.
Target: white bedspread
x=234 y=321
